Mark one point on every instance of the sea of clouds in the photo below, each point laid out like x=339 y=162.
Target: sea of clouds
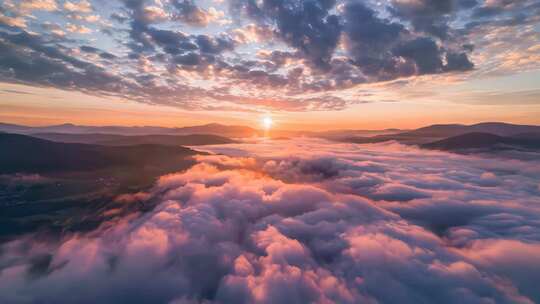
x=303 y=221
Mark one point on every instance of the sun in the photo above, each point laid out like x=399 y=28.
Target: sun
x=267 y=122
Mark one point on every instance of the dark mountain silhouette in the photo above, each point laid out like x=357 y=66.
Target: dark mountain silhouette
x=405 y=137
x=124 y=140
x=213 y=129
x=20 y=153
x=535 y=136
x=496 y=128
x=219 y=129
x=333 y=134
x=478 y=140
x=78 y=183
x=433 y=133
x=207 y=129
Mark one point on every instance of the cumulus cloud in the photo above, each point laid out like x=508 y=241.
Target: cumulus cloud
x=78 y=7
x=12 y=21
x=326 y=225
x=78 y=29
x=189 y=13
x=44 y=5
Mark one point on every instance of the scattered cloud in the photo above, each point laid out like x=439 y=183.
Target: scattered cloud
x=312 y=51
x=19 y=22
x=43 y=5
x=78 y=29
x=78 y=7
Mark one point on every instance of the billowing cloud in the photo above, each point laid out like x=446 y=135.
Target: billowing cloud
x=305 y=25
x=327 y=225
x=188 y=12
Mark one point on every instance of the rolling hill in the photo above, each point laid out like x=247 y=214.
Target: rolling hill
x=213 y=129
x=496 y=128
x=124 y=140
x=433 y=133
x=72 y=186
x=478 y=140
x=21 y=153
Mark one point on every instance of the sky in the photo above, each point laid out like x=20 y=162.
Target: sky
x=318 y=64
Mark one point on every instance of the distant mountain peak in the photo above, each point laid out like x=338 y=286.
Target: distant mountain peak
x=482 y=140
x=211 y=128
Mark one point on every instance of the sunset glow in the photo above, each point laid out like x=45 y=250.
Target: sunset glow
x=267 y=122
x=269 y=151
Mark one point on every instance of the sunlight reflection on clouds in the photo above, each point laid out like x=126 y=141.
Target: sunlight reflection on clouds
x=305 y=221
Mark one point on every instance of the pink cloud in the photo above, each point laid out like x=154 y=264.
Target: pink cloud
x=303 y=228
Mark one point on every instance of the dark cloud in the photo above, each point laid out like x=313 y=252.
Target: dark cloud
x=146 y=37
x=188 y=12
x=378 y=46
x=431 y=16
x=28 y=59
x=188 y=59
x=467 y=3
x=214 y=45
x=88 y=49
x=487 y=11
x=172 y=42
x=107 y=56
x=458 y=62
x=424 y=52
x=370 y=40
x=34 y=42
x=307 y=26
x=93 y=50
x=118 y=17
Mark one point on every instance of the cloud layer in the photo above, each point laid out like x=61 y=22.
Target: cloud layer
x=250 y=55
x=369 y=223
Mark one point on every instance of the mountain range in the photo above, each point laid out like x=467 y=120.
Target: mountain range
x=128 y=140
x=217 y=129
x=440 y=136
x=496 y=128
x=478 y=140
x=430 y=134
x=212 y=129
x=25 y=154
x=69 y=186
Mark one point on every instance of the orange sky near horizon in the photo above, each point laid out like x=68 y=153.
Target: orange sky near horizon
x=20 y=104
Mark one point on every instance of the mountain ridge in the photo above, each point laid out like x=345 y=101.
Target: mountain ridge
x=212 y=129
x=436 y=132
x=26 y=154
x=127 y=140
x=479 y=140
